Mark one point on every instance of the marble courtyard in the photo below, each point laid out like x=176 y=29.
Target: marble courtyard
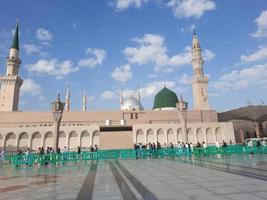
x=222 y=178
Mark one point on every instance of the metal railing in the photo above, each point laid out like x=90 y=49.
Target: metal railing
x=53 y=158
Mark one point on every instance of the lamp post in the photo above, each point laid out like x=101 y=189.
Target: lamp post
x=182 y=107
x=57 y=108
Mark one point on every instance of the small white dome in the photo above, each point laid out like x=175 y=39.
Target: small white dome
x=130 y=104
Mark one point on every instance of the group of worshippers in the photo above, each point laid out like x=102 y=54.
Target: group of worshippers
x=259 y=143
x=58 y=150
x=149 y=146
x=41 y=151
x=179 y=145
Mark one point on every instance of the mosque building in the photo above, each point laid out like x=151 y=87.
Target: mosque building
x=169 y=121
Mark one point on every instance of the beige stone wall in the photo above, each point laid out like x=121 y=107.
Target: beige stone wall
x=196 y=132
x=246 y=129
x=37 y=119
x=35 y=137
x=116 y=140
x=36 y=129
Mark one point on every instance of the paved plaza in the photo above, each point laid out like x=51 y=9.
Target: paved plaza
x=228 y=177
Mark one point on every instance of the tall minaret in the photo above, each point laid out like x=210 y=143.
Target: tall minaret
x=84 y=108
x=138 y=93
x=67 y=103
x=200 y=81
x=10 y=83
x=121 y=98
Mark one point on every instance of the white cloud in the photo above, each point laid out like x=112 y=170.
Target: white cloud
x=42 y=98
x=185 y=79
x=52 y=67
x=189 y=29
x=154 y=75
x=152 y=50
x=208 y=55
x=122 y=73
x=30 y=87
x=242 y=79
x=180 y=8
x=99 y=57
x=259 y=55
x=124 y=4
x=44 y=35
x=190 y=8
x=108 y=95
x=31 y=48
x=261 y=22
x=150 y=89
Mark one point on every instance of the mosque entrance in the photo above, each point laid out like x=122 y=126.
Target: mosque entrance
x=116 y=137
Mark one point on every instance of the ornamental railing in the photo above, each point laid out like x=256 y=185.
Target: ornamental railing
x=54 y=158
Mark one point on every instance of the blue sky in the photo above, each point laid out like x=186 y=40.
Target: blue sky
x=102 y=46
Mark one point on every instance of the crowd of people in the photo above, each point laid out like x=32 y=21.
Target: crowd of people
x=189 y=145
x=153 y=146
x=258 y=143
x=49 y=150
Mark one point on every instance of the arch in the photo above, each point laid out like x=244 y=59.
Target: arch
x=140 y=137
x=179 y=135
x=62 y=140
x=219 y=135
x=190 y=136
x=36 y=142
x=170 y=136
x=23 y=141
x=95 y=138
x=1 y=141
x=200 y=135
x=73 y=141
x=48 y=140
x=150 y=136
x=210 y=136
x=161 y=137
x=85 y=139
x=10 y=142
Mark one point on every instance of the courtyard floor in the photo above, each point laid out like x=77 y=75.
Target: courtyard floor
x=214 y=178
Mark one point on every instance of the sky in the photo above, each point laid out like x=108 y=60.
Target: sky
x=102 y=46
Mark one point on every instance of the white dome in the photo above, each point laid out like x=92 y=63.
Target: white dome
x=130 y=104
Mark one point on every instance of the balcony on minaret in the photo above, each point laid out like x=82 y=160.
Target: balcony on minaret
x=12 y=66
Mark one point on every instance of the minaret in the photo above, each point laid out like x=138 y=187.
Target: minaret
x=67 y=103
x=10 y=83
x=121 y=98
x=138 y=93
x=199 y=81
x=84 y=108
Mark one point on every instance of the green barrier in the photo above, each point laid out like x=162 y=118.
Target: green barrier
x=54 y=158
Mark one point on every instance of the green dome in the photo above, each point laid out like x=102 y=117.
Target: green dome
x=165 y=98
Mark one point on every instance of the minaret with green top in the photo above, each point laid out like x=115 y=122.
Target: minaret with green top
x=15 y=43
x=10 y=83
x=13 y=61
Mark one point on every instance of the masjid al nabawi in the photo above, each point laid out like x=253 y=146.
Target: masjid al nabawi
x=168 y=122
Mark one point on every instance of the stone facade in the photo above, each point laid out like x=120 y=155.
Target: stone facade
x=11 y=82
x=199 y=81
x=108 y=129
x=37 y=129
